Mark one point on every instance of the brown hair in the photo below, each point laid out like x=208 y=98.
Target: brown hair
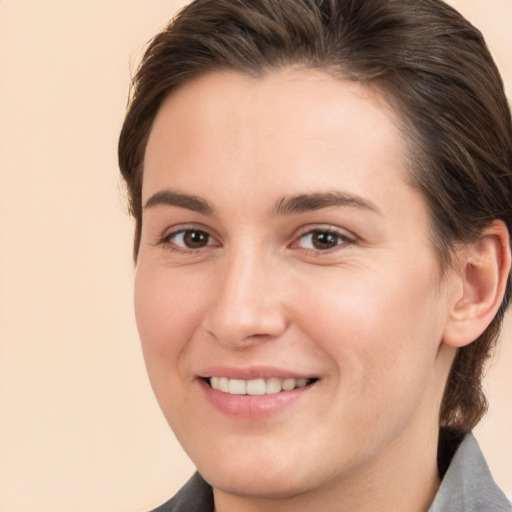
x=434 y=68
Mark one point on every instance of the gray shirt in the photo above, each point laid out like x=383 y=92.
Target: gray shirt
x=467 y=486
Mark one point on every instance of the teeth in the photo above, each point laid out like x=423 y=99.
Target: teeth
x=256 y=386
x=302 y=382
x=237 y=387
x=272 y=386
x=223 y=384
x=288 y=384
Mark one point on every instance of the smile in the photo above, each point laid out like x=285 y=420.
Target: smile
x=255 y=387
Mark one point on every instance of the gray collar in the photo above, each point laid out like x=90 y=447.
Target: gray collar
x=468 y=485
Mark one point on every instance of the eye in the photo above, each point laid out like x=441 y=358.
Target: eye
x=322 y=239
x=188 y=239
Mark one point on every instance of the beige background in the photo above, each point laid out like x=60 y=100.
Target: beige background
x=79 y=427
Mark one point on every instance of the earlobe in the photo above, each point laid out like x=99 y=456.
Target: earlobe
x=484 y=269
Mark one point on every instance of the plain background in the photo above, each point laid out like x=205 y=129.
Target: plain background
x=79 y=427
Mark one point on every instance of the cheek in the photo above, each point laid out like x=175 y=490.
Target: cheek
x=165 y=307
x=166 y=311
x=167 y=315
x=379 y=329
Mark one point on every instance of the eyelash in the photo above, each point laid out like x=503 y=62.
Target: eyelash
x=341 y=239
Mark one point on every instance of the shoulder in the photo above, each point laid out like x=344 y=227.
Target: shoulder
x=195 y=496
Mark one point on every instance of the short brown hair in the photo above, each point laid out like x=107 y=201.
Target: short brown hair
x=434 y=68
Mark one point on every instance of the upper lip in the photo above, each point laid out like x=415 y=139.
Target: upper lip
x=252 y=372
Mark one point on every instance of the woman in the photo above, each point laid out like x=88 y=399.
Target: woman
x=322 y=194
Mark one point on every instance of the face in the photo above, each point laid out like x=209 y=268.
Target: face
x=287 y=295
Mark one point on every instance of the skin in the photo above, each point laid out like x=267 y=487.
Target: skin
x=366 y=316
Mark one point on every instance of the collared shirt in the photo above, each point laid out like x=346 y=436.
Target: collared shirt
x=467 y=486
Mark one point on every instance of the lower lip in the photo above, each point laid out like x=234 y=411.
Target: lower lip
x=252 y=406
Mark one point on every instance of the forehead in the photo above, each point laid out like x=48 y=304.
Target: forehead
x=290 y=118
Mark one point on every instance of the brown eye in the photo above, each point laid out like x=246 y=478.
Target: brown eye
x=195 y=239
x=322 y=240
x=190 y=239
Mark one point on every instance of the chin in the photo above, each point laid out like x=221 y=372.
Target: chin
x=256 y=484
x=260 y=477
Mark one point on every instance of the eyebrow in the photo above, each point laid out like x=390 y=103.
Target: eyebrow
x=316 y=201
x=169 y=197
x=287 y=205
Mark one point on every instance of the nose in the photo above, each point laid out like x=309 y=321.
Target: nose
x=247 y=306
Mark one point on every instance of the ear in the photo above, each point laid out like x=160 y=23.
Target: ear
x=484 y=269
